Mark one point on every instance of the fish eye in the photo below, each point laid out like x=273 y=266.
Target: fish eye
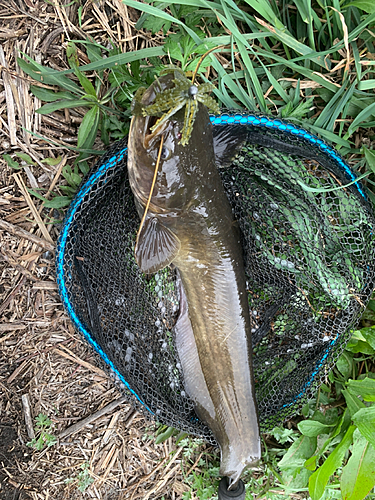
x=164 y=153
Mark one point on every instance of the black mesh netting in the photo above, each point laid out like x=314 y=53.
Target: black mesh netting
x=309 y=260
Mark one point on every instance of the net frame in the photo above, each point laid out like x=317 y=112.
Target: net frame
x=177 y=410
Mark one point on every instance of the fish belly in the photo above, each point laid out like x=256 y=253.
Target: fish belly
x=214 y=346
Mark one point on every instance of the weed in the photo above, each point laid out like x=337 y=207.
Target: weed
x=43 y=432
x=83 y=479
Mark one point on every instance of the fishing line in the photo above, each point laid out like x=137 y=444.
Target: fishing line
x=202 y=58
x=151 y=190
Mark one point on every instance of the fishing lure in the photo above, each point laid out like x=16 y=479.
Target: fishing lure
x=184 y=93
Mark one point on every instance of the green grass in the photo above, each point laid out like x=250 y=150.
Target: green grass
x=309 y=61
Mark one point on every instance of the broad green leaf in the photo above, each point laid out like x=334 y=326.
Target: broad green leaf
x=365 y=421
x=94 y=51
x=181 y=435
x=358 y=335
x=72 y=55
x=86 y=84
x=368 y=333
x=165 y=435
x=345 y=364
x=358 y=343
x=342 y=425
x=48 y=95
x=12 y=163
x=318 y=481
x=76 y=179
x=312 y=428
x=64 y=103
x=298 y=452
x=83 y=166
x=364 y=388
x=58 y=202
x=48 y=76
x=52 y=161
x=296 y=479
x=26 y=158
x=311 y=462
x=353 y=402
x=366 y=5
x=88 y=127
x=358 y=475
x=68 y=190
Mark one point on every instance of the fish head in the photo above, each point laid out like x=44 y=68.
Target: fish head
x=182 y=168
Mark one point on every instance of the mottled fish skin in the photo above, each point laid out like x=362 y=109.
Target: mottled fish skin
x=190 y=224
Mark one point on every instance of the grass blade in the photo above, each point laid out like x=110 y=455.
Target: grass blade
x=318 y=481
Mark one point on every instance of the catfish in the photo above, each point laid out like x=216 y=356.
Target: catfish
x=189 y=225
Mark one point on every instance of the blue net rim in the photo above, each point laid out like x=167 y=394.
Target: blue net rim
x=235 y=119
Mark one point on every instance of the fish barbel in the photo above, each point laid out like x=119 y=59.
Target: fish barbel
x=189 y=224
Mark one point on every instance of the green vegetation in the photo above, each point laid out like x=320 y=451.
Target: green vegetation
x=44 y=437
x=83 y=479
x=312 y=62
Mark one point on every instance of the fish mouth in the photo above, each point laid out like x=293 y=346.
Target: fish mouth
x=151 y=122
x=150 y=137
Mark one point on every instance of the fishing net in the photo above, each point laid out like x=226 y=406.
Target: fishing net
x=309 y=261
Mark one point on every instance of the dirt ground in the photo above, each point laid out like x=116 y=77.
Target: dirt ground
x=103 y=446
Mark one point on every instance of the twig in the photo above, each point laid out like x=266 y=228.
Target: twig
x=28 y=418
x=70 y=355
x=45 y=285
x=165 y=476
x=194 y=465
x=56 y=177
x=17 y=371
x=8 y=86
x=11 y=327
x=79 y=425
x=15 y=290
x=32 y=207
x=162 y=482
x=17 y=266
x=22 y=233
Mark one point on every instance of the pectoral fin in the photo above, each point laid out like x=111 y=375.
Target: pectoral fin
x=156 y=246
